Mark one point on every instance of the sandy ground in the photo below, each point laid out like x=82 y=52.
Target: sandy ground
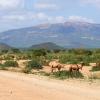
x=18 y=86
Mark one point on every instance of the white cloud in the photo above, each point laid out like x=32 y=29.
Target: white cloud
x=13 y=17
x=29 y=16
x=41 y=16
x=60 y=19
x=79 y=19
x=10 y=4
x=53 y=36
x=91 y=2
x=89 y=38
x=57 y=19
x=45 y=6
x=24 y=17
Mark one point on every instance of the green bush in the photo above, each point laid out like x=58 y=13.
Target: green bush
x=2 y=67
x=67 y=74
x=97 y=68
x=33 y=65
x=39 y=52
x=80 y=51
x=11 y=63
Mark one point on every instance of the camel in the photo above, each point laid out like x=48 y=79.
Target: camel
x=55 y=65
x=76 y=67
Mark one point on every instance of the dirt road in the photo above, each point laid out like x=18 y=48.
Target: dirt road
x=16 y=86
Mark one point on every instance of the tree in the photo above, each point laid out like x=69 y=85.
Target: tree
x=40 y=52
x=15 y=50
x=4 y=51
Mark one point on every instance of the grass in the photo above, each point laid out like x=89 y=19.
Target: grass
x=2 y=67
x=67 y=74
x=10 y=63
x=97 y=68
x=62 y=75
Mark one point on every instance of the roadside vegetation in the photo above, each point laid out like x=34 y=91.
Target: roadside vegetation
x=36 y=59
x=67 y=74
x=34 y=64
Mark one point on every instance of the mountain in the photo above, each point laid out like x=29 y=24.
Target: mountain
x=68 y=34
x=4 y=46
x=48 y=45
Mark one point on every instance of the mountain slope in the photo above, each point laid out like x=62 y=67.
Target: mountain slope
x=4 y=46
x=48 y=45
x=68 y=34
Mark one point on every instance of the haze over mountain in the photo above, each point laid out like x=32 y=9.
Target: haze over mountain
x=68 y=34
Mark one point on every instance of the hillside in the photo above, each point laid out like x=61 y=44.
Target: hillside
x=68 y=34
x=48 y=45
x=4 y=46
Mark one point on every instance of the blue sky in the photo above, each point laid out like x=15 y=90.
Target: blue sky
x=24 y=13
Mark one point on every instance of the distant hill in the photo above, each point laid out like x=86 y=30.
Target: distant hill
x=48 y=45
x=4 y=46
x=68 y=34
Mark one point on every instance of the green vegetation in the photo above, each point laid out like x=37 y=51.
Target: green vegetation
x=39 y=57
x=65 y=56
x=2 y=67
x=32 y=65
x=97 y=68
x=43 y=55
x=11 y=63
x=8 y=64
x=67 y=74
x=63 y=75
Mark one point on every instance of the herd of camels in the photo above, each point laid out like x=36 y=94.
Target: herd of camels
x=73 y=67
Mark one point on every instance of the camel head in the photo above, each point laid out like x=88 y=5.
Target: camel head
x=81 y=65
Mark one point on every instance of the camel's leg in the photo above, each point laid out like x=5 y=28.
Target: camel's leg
x=77 y=69
x=70 y=71
x=52 y=69
x=59 y=69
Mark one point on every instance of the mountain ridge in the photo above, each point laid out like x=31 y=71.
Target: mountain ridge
x=68 y=34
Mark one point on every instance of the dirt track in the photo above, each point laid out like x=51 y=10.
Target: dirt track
x=16 y=86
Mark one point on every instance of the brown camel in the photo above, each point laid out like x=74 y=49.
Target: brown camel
x=76 y=67
x=55 y=65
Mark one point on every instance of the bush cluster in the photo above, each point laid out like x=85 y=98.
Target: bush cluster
x=32 y=65
x=11 y=63
x=67 y=74
x=97 y=68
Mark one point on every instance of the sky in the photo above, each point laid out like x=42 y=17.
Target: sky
x=25 y=13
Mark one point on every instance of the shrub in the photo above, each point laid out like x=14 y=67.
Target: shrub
x=33 y=65
x=67 y=74
x=11 y=63
x=4 y=51
x=97 y=68
x=2 y=67
x=15 y=50
x=56 y=50
x=39 y=52
x=80 y=51
x=70 y=58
